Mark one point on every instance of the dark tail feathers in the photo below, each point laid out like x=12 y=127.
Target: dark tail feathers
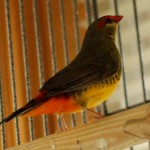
x=30 y=105
x=14 y=114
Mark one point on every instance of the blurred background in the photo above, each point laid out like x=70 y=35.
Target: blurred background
x=40 y=37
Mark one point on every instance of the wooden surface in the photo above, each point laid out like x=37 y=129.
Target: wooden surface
x=105 y=134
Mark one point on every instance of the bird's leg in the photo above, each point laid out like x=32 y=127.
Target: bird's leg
x=97 y=115
x=64 y=125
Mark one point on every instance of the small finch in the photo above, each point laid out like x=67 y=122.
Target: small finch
x=87 y=81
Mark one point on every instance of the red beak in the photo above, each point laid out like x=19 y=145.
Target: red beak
x=117 y=18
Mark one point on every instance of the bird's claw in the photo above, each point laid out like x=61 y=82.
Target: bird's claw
x=97 y=115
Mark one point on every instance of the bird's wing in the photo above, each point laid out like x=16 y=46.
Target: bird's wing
x=80 y=74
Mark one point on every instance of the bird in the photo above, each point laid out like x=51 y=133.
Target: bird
x=87 y=81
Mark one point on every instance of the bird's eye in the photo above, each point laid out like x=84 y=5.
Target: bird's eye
x=109 y=21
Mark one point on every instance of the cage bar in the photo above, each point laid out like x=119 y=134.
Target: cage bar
x=3 y=137
x=122 y=56
x=7 y=11
x=26 y=65
x=139 y=43
x=40 y=64
x=75 y=11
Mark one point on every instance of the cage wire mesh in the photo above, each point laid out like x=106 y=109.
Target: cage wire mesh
x=40 y=37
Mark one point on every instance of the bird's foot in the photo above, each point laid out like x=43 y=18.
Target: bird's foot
x=63 y=126
x=97 y=115
x=61 y=129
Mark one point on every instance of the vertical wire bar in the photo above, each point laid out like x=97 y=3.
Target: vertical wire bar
x=89 y=20
x=88 y=11
x=11 y=59
x=52 y=45
x=40 y=63
x=26 y=65
x=123 y=61
x=3 y=137
x=89 y=17
x=95 y=14
x=51 y=35
x=65 y=43
x=77 y=35
x=139 y=47
x=122 y=56
x=95 y=9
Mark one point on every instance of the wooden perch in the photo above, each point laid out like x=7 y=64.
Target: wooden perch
x=115 y=132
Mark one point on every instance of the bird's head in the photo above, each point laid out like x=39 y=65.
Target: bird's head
x=105 y=26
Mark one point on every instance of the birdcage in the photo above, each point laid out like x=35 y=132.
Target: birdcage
x=40 y=37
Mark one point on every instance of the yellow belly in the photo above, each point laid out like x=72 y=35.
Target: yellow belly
x=96 y=94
